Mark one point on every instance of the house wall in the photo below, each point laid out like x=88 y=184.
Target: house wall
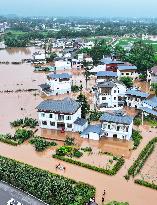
x=46 y=117
x=79 y=128
x=91 y=136
x=62 y=65
x=58 y=87
x=135 y=102
x=132 y=74
x=111 y=98
x=111 y=129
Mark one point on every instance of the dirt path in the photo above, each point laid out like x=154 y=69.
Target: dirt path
x=117 y=188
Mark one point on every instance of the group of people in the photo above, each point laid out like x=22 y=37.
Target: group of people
x=103 y=197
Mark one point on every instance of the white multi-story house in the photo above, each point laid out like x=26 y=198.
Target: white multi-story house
x=110 y=95
x=62 y=64
x=61 y=115
x=105 y=76
x=113 y=125
x=134 y=97
x=149 y=106
x=127 y=71
x=57 y=84
x=117 y=125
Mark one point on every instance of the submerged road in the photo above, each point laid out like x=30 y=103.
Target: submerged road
x=117 y=188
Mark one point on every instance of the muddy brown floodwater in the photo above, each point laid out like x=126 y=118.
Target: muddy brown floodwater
x=22 y=104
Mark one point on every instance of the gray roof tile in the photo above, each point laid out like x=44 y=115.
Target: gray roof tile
x=60 y=76
x=66 y=106
x=106 y=73
x=92 y=128
x=137 y=93
x=80 y=121
x=117 y=118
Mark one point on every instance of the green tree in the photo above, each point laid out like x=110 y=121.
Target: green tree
x=127 y=81
x=99 y=50
x=53 y=56
x=86 y=72
x=85 y=107
x=119 y=52
x=142 y=55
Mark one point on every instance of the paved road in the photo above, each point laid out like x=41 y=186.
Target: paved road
x=7 y=192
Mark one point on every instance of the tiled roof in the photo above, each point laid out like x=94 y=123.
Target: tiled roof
x=110 y=61
x=106 y=73
x=67 y=106
x=92 y=128
x=60 y=76
x=148 y=110
x=44 y=86
x=137 y=93
x=126 y=67
x=80 y=121
x=108 y=84
x=151 y=102
x=116 y=118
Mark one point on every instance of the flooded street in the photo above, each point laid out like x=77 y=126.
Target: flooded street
x=116 y=187
x=15 y=105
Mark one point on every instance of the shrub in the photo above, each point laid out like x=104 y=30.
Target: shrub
x=64 y=150
x=136 y=137
x=87 y=149
x=137 y=121
x=77 y=153
x=95 y=115
x=75 y=88
x=48 y=187
x=41 y=144
x=20 y=136
x=69 y=141
x=26 y=122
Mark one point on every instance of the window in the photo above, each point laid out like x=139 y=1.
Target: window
x=51 y=115
x=118 y=127
x=108 y=126
x=103 y=98
x=52 y=124
x=127 y=129
x=122 y=73
x=42 y=114
x=69 y=125
x=68 y=117
x=114 y=98
x=44 y=122
x=127 y=73
x=114 y=91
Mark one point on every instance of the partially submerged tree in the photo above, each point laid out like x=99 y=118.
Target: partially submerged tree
x=85 y=106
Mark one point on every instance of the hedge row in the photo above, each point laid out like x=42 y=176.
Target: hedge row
x=139 y=162
x=8 y=141
x=18 y=138
x=146 y=184
x=48 y=187
x=113 y=171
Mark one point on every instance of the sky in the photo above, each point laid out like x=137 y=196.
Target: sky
x=84 y=8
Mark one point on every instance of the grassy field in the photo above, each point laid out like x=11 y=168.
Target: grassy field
x=129 y=41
